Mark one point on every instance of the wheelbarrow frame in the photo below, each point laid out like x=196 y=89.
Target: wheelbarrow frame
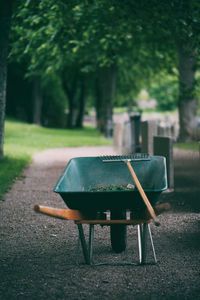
x=143 y=231
x=80 y=219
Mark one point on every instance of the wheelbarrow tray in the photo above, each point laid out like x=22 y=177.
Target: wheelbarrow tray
x=84 y=174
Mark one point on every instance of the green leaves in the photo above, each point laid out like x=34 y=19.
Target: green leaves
x=51 y=35
x=164 y=89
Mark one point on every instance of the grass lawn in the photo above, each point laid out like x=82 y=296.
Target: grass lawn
x=22 y=140
x=192 y=146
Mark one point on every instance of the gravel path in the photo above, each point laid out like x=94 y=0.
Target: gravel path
x=37 y=252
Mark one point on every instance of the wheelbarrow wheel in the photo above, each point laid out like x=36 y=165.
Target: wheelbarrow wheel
x=118 y=231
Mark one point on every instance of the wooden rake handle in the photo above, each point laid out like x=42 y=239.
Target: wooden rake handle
x=143 y=195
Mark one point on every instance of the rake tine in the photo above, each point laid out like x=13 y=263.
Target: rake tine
x=123 y=158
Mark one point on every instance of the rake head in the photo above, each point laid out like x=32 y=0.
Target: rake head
x=124 y=158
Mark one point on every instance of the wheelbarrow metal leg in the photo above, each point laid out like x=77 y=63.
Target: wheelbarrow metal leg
x=83 y=244
x=143 y=230
x=91 y=238
x=140 y=242
x=152 y=245
x=144 y=243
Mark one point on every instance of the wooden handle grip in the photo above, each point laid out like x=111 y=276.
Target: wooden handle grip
x=143 y=195
x=67 y=214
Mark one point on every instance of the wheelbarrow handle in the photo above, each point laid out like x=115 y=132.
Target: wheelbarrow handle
x=67 y=214
x=143 y=195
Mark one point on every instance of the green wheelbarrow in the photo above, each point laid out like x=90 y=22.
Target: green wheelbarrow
x=90 y=185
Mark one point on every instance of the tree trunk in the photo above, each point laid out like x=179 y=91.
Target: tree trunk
x=37 y=102
x=82 y=98
x=70 y=119
x=5 y=17
x=70 y=88
x=70 y=96
x=187 y=99
x=105 y=95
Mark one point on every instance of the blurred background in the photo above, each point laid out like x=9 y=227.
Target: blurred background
x=78 y=68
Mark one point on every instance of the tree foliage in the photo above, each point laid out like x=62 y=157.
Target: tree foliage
x=175 y=28
x=79 y=40
x=164 y=88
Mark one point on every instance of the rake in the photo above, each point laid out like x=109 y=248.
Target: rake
x=127 y=160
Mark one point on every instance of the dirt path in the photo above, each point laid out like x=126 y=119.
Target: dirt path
x=37 y=252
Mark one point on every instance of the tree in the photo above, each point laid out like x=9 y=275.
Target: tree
x=103 y=41
x=43 y=41
x=5 y=19
x=172 y=30
x=106 y=85
x=32 y=49
x=70 y=80
x=184 y=31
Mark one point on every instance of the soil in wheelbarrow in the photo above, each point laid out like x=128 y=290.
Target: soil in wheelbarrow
x=128 y=187
x=37 y=252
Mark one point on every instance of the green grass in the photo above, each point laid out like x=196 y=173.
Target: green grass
x=22 y=140
x=120 y=110
x=193 y=146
